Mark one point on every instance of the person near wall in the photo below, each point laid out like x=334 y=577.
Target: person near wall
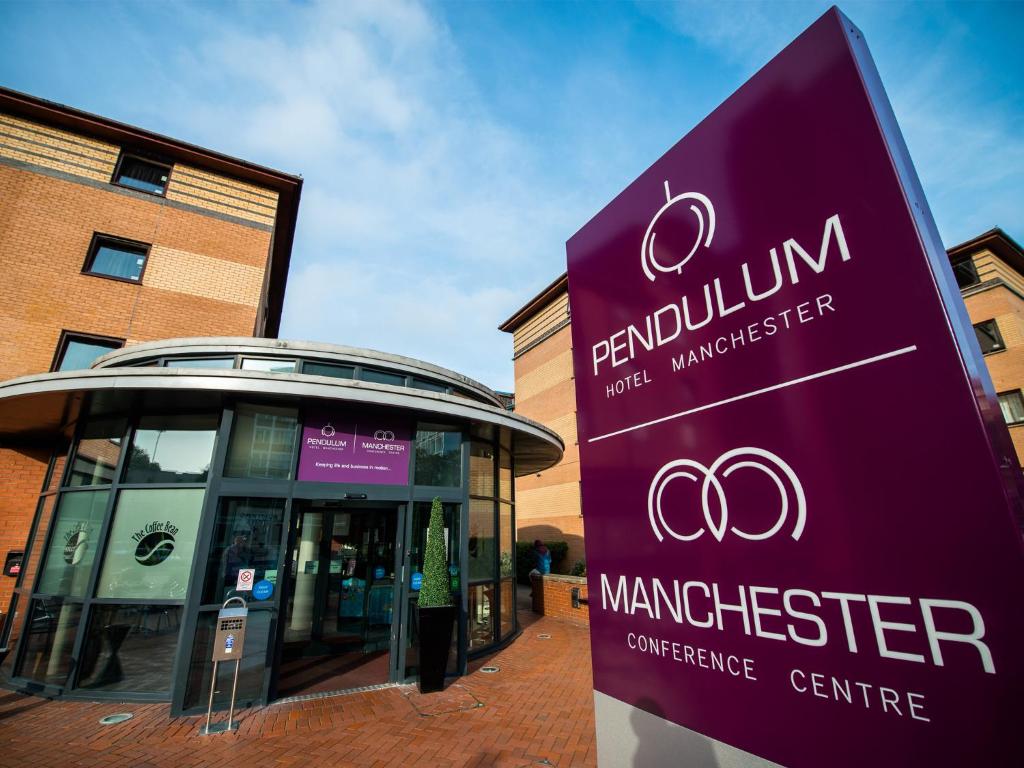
x=541 y=559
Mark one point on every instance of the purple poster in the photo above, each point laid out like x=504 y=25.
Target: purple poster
x=346 y=448
x=803 y=534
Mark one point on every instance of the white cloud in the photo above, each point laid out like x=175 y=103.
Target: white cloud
x=421 y=227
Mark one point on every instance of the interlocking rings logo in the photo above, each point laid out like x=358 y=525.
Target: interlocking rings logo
x=327 y=430
x=705 y=231
x=385 y=435
x=785 y=479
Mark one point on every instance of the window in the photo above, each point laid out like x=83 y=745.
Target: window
x=262 y=442
x=382 y=377
x=172 y=449
x=430 y=386
x=1012 y=406
x=73 y=542
x=116 y=258
x=269 y=366
x=247 y=535
x=966 y=273
x=989 y=337
x=201 y=362
x=77 y=351
x=327 y=369
x=438 y=455
x=121 y=643
x=97 y=453
x=151 y=544
x=144 y=175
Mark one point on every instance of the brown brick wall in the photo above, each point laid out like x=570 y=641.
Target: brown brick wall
x=204 y=273
x=46 y=226
x=22 y=472
x=1006 y=307
x=552 y=596
x=548 y=503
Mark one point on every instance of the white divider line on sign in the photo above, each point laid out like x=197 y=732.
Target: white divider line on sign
x=756 y=392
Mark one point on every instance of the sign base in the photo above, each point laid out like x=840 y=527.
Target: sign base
x=629 y=735
x=214 y=728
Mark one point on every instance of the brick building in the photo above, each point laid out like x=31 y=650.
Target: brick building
x=548 y=503
x=989 y=269
x=111 y=235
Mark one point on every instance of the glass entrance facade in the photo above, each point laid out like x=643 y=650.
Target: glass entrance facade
x=340 y=596
x=161 y=508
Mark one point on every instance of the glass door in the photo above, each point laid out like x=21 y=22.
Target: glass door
x=339 y=617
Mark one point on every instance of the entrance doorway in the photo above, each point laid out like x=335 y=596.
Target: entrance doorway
x=338 y=604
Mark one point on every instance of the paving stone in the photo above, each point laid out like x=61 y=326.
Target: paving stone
x=539 y=706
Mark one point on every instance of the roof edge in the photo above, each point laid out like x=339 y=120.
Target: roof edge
x=288 y=186
x=535 y=304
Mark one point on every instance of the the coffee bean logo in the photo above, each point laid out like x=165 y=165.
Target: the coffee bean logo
x=74 y=548
x=154 y=548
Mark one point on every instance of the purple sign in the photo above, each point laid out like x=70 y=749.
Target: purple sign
x=802 y=516
x=343 y=448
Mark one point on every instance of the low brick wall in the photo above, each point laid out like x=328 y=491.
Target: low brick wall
x=552 y=596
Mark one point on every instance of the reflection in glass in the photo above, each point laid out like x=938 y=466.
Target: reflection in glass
x=382 y=377
x=262 y=442
x=73 y=543
x=328 y=369
x=79 y=354
x=505 y=475
x=251 y=670
x=30 y=563
x=438 y=455
x=247 y=535
x=130 y=648
x=506 y=539
x=201 y=362
x=481 y=539
x=481 y=469
x=118 y=260
x=268 y=366
x=48 y=639
x=1012 y=406
x=508 y=607
x=481 y=616
x=151 y=543
x=172 y=449
x=56 y=473
x=430 y=386
x=97 y=453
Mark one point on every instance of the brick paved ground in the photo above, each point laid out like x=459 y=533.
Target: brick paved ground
x=538 y=708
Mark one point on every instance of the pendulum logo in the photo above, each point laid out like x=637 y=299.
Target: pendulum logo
x=154 y=548
x=327 y=430
x=667 y=219
x=713 y=496
x=75 y=545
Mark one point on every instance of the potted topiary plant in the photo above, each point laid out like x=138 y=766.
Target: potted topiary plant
x=434 y=607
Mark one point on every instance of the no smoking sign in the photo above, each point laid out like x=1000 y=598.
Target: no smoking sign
x=245 y=579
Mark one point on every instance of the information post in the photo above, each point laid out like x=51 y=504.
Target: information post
x=803 y=522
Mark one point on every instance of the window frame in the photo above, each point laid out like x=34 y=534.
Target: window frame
x=1000 y=343
x=67 y=336
x=127 y=154
x=100 y=239
x=1011 y=392
x=969 y=261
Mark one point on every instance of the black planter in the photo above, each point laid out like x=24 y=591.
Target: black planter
x=436 y=625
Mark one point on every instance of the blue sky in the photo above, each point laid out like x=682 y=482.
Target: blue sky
x=450 y=149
